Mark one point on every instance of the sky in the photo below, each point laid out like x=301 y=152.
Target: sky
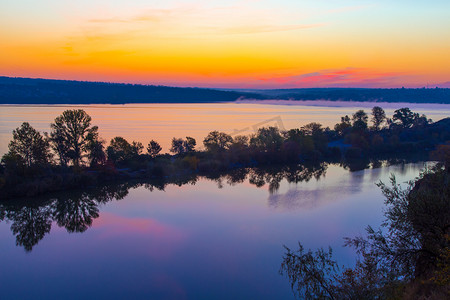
x=229 y=44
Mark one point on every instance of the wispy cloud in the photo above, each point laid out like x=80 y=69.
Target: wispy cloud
x=197 y=19
x=149 y=15
x=348 y=77
x=248 y=29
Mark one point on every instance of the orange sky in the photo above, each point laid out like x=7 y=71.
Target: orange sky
x=246 y=44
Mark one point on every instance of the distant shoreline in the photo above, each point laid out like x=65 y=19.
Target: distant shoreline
x=348 y=103
x=275 y=102
x=64 y=92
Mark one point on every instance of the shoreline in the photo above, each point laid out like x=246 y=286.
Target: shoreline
x=275 y=102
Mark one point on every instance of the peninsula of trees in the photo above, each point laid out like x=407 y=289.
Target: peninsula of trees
x=46 y=91
x=73 y=155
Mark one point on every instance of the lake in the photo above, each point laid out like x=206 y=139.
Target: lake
x=162 y=122
x=206 y=239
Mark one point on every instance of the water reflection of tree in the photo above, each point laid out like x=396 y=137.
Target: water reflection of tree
x=108 y=193
x=161 y=183
x=75 y=213
x=30 y=224
x=236 y=176
x=292 y=174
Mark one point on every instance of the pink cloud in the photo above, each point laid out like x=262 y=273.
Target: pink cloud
x=348 y=77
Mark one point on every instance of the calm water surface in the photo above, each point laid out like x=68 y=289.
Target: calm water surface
x=162 y=122
x=209 y=239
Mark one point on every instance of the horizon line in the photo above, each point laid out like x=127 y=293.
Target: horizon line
x=435 y=86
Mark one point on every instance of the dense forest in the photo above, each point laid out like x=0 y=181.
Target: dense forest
x=73 y=154
x=46 y=91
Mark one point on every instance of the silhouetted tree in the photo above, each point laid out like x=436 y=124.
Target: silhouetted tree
x=340 y=128
x=313 y=129
x=360 y=120
x=180 y=146
x=96 y=153
x=316 y=131
x=95 y=149
x=420 y=121
x=267 y=138
x=153 y=148
x=217 y=141
x=69 y=134
x=177 y=146
x=136 y=148
x=29 y=145
x=378 y=117
x=405 y=116
x=240 y=141
x=189 y=144
x=119 y=149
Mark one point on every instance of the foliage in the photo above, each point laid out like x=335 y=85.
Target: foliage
x=340 y=128
x=217 y=141
x=96 y=152
x=378 y=117
x=28 y=146
x=120 y=150
x=359 y=119
x=69 y=135
x=311 y=274
x=180 y=146
x=267 y=139
x=316 y=132
x=315 y=275
x=177 y=146
x=189 y=144
x=153 y=148
x=442 y=154
x=406 y=118
x=409 y=254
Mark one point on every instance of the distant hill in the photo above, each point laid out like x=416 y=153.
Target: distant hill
x=422 y=95
x=48 y=91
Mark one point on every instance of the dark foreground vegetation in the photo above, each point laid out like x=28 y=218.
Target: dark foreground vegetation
x=73 y=155
x=47 y=91
x=407 y=258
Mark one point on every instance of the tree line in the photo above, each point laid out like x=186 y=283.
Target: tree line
x=73 y=149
